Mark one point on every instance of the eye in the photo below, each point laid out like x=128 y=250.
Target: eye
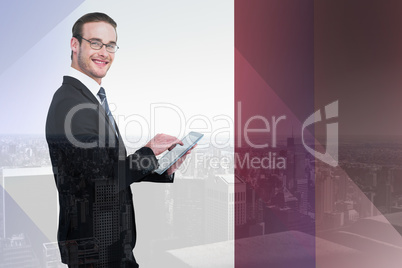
x=112 y=46
x=96 y=43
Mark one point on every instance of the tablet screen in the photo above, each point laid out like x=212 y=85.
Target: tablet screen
x=178 y=151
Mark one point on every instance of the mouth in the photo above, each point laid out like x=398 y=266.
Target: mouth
x=99 y=62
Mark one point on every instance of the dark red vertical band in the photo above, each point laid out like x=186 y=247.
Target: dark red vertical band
x=274 y=93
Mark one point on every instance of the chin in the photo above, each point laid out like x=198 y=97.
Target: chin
x=100 y=74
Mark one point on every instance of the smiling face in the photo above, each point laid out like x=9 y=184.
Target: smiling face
x=94 y=63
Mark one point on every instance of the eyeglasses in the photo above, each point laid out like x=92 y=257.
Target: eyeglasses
x=97 y=45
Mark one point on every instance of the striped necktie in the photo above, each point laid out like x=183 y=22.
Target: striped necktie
x=105 y=105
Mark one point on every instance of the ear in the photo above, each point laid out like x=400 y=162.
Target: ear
x=74 y=44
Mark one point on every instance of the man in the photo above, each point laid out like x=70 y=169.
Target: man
x=91 y=168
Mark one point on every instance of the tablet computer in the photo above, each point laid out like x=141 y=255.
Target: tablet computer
x=178 y=151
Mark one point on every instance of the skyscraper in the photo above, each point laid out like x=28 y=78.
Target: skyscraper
x=225 y=206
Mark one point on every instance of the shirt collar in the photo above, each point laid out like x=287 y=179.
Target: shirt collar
x=90 y=83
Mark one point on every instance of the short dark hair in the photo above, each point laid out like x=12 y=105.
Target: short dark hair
x=91 y=17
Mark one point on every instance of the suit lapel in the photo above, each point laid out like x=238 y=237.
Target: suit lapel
x=88 y=94
x=81 y=87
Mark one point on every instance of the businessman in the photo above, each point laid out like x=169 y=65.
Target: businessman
x=91 y=168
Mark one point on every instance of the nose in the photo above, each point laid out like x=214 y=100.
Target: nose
x=103 y=51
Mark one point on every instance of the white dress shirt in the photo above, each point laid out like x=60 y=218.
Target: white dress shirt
x=91 y=84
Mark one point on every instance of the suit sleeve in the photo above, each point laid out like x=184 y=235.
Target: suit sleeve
x=141 y=165
x=111 y=155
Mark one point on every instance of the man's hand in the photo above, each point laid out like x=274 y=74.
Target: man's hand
x=163 y=142
x=178 y=163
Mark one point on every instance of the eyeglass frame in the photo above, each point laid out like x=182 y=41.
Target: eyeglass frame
x=103 y=44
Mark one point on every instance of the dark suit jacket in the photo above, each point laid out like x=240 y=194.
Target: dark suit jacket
x=93 y=175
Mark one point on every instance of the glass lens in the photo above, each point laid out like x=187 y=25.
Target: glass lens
x=96 y=44
x=111 y=48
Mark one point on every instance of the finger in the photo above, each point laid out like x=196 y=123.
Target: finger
x=189 y=151
x=195 y=145
x=177 y=141
x=171 y=147
x=174 y=145
x=177 y=165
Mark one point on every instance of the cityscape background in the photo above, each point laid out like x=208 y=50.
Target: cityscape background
x=208 y=204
